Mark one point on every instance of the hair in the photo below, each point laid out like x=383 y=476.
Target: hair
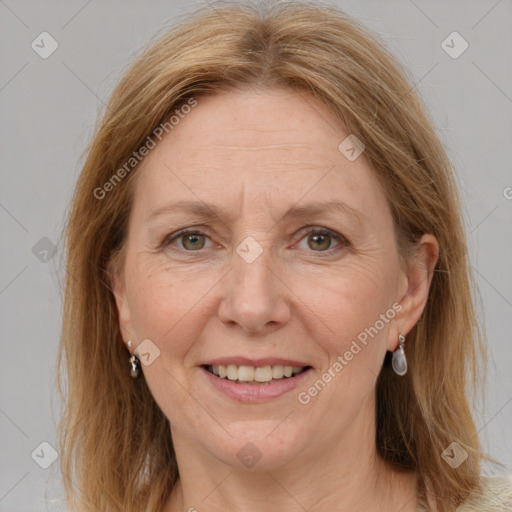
x=116 y=449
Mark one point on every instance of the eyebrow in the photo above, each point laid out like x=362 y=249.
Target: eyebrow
x=209 y=210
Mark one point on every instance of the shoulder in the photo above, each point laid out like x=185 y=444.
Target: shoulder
x=495 y=495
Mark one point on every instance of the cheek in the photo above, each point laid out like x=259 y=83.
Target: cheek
x=164 y=307
x=350 y=313
x=348 y=300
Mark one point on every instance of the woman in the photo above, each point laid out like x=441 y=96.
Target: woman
x=268 y=303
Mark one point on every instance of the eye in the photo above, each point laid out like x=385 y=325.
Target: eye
x=320 y=239
x=192 y=240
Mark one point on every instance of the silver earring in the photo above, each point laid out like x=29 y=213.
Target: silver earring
x=399 y=361
x=135 y=366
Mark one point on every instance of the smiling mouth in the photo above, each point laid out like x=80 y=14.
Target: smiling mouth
x=255 y=375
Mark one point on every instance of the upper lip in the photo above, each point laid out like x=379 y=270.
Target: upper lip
x=246 y=361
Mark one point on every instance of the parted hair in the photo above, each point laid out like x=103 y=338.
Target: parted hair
x=116 y=451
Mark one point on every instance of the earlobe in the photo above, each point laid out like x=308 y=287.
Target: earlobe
x=118 y=288
x=418 y=280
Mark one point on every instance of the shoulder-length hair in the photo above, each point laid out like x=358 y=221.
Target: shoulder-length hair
x=116 y=451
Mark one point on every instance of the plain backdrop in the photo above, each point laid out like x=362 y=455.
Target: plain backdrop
x=49 y=107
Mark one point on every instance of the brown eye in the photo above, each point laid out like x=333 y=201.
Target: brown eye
x=193 y=241
x=320 y=241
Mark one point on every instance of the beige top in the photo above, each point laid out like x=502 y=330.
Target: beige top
x=496 y=496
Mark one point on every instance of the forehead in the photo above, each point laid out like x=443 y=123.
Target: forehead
x=276 y=143
x=260 y=122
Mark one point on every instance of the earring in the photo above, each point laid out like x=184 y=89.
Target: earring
x=135 y=369
x=399 y=361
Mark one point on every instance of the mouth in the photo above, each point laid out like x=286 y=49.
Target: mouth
x=255 y=375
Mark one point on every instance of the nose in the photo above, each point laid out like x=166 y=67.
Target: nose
x=255 y=296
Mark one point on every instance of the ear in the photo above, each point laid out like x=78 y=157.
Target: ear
x=414 y=287
x=118 y=287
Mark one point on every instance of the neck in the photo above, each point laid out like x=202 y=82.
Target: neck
x=343 y=475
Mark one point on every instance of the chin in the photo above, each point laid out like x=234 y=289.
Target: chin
x=259 y=448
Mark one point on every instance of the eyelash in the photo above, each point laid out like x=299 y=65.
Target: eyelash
x=310 y=230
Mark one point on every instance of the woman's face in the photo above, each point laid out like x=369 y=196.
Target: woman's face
x=248 y=173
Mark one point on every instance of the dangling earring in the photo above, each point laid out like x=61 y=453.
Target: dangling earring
x=134 y=362
x=399 y=361
x=135 y=369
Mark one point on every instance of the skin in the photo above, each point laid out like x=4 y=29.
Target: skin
x=254 y=153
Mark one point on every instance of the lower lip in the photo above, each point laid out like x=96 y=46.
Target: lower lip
x=255 y=393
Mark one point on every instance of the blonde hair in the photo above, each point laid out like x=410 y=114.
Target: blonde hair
x=116 y=451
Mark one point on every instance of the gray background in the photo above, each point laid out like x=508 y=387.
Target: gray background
x=50 y=106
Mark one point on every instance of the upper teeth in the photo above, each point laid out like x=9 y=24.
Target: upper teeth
x=251 y=373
